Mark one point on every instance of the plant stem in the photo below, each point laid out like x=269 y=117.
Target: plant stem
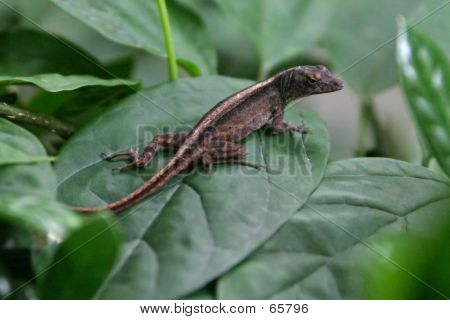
x=163 y=13
x=16 y=114
x=367 y=121
x=375 y=125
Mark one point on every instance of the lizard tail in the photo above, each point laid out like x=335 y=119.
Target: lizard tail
x=171 y=169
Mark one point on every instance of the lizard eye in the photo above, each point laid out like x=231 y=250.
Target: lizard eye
x=313 y=77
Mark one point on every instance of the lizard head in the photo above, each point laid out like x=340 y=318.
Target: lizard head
x=309 y=80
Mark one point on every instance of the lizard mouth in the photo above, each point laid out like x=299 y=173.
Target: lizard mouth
x=335 y=85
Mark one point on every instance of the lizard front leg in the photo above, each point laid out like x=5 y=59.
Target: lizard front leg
x=279 y=126
x=162 y=141
x=218 y=152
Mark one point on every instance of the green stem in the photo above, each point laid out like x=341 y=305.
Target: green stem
x=376 y=127
x=366 y=105
x=368 y=121
x=163 y=13
x=48 y=122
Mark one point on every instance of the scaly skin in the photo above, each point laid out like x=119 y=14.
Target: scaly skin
x=214 y=139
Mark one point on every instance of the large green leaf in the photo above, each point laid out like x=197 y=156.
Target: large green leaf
x=320 y=252
x=185 y=236
x=137 y=24
x=28 y=52
x=82 y=262
x=360 y=41
x=281 y=29
x=54 y=82
x=425 y=77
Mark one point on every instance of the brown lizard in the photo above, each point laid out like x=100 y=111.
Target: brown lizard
x=215 y=137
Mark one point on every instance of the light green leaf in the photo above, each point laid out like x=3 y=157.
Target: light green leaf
x=137 y=24
x=13 y=145
x=26 y=190
x=55 y=82
x=38 y=214
x=31 y=178
x=425 y=77
x=197 y=228
x=82 y=262
x=321 y=251
x=281 y=29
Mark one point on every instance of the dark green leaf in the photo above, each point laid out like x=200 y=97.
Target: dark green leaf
x=5 y=282
x=28 y=52
x=54 y=82
x=321 y=251
x=280 y=29
x=137 y=24
x=78 y=106
x=425 y=78
x=82 y=262
x=185 y=236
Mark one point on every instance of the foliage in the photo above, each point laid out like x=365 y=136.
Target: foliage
x=303 y=228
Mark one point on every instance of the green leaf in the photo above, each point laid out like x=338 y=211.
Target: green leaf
x=425 y=77
x=428 y=275
x=27 y=53
x=281 y=29
x=436 y=24
x=137 y=24
x=38 y=214
x=13 y=145
x=321 y=251
x=55 y=82
x=78 y=106
x=195 y=229
x=36 y=178
x=360 y=41
x=25 y=190
x=82 y=262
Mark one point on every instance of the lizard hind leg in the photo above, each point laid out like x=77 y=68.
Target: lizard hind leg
x=220 y=152
x=163 y=141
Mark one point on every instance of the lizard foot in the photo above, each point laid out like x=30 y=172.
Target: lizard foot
x=131 y=154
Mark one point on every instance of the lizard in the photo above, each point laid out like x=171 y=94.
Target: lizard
x=216 y=136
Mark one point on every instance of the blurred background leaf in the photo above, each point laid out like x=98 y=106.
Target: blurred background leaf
x=25 y=52
x=113 y=20
x=425 y=77
x=424 y=261
x=282 y=29
x=82 y=262
x=360 y=40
